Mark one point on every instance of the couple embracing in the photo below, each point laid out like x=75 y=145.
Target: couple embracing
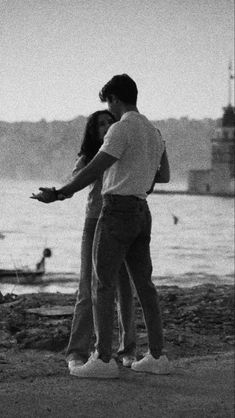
x=122 y=156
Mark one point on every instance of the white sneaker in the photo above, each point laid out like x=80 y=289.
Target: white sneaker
x=149 y=364
x=74 y=363
x=128 y=360
x=95 y=368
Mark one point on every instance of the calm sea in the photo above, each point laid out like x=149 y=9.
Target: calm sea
x=198 y=249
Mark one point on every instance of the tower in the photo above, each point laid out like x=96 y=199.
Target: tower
x=223 y=150
x=219 y=179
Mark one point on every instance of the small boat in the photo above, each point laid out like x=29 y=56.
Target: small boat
x=26 y=275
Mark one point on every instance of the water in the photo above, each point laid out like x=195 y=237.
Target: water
x=198 y=249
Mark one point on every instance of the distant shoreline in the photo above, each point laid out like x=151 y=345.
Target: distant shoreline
x=186 y=192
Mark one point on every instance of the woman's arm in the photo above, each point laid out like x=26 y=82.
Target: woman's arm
x=79 y=165
x=163 y=173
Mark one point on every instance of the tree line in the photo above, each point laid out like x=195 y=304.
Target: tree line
x=47 y=150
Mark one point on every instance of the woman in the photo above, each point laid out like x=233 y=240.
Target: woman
x=83 y=324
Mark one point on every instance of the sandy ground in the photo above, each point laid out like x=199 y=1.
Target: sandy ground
x=35 y=384
x=199 y=339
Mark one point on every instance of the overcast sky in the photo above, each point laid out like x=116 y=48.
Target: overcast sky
x=55 y=55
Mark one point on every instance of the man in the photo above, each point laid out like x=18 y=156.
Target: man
x=128 y=160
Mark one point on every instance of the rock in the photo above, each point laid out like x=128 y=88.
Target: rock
x=3 y=359
x=52 y=311
x=230 y=339
x=6 y=339
x=9 y=297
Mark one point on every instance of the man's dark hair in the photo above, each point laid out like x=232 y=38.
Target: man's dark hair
x=90 y=144
x=123 y=87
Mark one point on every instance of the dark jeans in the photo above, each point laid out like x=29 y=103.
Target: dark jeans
x=84 y=323
x=123 y=235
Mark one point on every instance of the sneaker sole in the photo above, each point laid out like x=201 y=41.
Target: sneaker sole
x=151 y=372
x=114 y=375
x=100 y=376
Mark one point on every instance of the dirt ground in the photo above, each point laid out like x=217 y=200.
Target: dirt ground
x=37 y=384
x=199 y=339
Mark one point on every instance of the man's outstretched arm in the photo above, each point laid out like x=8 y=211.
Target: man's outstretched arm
x=86 y=176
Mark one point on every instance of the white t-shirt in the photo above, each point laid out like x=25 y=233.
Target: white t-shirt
x=138 y=145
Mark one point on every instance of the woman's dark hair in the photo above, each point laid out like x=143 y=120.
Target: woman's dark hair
x=121 y=86
x=90 y=144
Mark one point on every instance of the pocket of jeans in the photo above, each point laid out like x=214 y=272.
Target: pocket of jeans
x=122 y=226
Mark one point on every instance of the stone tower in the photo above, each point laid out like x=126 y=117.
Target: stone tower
x=219 y=179
x=223 y=155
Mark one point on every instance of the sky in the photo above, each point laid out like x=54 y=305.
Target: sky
x=55 y=56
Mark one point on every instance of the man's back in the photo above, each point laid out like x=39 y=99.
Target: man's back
x=138 y=145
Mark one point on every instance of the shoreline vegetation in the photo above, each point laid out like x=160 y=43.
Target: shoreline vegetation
x=197 y=321
x=55 y=144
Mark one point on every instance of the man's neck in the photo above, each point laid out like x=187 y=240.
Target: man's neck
x=128 y=108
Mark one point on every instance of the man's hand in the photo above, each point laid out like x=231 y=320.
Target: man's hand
x=46 y=195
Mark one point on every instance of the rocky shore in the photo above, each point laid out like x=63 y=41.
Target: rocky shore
x=199 y=335
x=197 y=321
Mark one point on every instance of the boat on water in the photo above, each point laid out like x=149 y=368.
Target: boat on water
x=26 y=275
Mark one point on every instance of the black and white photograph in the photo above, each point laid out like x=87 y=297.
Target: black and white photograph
x=117 y=185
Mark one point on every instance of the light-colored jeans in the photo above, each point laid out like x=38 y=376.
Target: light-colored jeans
x=123 y=235
x=84 y=323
